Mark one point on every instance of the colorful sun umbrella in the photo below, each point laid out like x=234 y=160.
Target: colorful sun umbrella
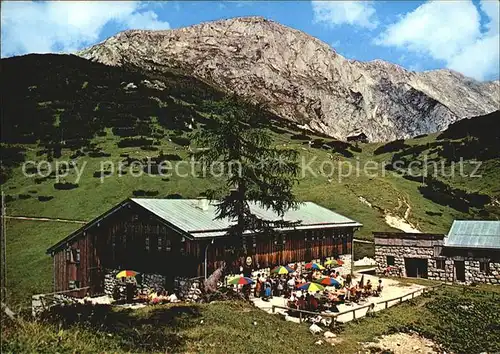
x=241 y=281
x=311 y=287
x=328 y=281
x=314 y=266
x=126 y=274
x=332 y=262
x=282 y=270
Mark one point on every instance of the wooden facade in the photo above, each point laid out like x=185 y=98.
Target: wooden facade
x=130 y=237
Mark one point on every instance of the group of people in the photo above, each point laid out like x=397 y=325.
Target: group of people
x=129 y=290
x=159 y=296
x=287 y=285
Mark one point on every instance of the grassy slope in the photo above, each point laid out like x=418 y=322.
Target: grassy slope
x=92 y=86
x=93 y=197
x=27 y=241
x=239 y=328
x=29 y=270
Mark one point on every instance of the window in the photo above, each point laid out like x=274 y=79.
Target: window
x=146 y=243
x=391 y=260
x=440 y=264
x=160 y=243
x=345 y=243
x=73 y=255
x=437 y=250
x=484 y=267
x=168 y=245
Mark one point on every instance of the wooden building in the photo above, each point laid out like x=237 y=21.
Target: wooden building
x=357 y=137
x=180 y=238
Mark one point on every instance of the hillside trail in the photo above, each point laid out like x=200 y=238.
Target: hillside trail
x=392 y=218
x=401 y=223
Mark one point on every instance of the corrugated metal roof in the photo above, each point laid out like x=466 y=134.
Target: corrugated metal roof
x=189 y=217
x=474 y=234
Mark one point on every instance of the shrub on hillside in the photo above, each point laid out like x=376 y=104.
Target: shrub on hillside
x=179 y=140
x=9 y=198
x=456 y=198
x=356 y=148
x=39 y=180
x=65 y=186
x=149 y=148
x=432 y=213
x=134 y=142
x=393 y=146
x=99 y=153
x=300 y=137
x=99 y=174
x=174 y=196
x=143 y=193
x=171 y=157
x=45 y=198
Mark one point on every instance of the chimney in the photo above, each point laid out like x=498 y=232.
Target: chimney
x=203 y=203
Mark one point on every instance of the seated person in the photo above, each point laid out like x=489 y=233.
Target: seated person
x=152 y=295
x=379 y=287
x=173 y=298
x=301 y=303
x=313 y=303
x=267 y=291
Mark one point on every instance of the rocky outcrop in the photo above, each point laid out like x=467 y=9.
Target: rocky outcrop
x=305 y=80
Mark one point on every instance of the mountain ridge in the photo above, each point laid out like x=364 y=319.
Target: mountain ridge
x=303 y=79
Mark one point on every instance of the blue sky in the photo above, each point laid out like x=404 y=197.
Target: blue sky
x=418 y=35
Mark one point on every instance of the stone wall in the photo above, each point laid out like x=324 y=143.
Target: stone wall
x=146 y=282
x=473 y=274
x=447 y=274
x=400 y=253
x=188 y=289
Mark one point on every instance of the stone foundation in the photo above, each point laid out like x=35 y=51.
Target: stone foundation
x=146 y=282
x=188 y=289
x=184 y=288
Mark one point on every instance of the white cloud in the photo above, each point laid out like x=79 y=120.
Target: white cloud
x=355 y=13
x=66 y=26
x=492 y=10
x=450 y=31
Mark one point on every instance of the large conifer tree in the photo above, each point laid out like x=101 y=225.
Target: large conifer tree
x=254 y=170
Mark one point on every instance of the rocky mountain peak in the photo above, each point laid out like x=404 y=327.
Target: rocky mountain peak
x=303 y=79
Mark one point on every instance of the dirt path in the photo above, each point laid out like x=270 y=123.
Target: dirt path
x=391 y=218
x=398 y=222
x=401 y=223
x=32 y=218
x=402 y=343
